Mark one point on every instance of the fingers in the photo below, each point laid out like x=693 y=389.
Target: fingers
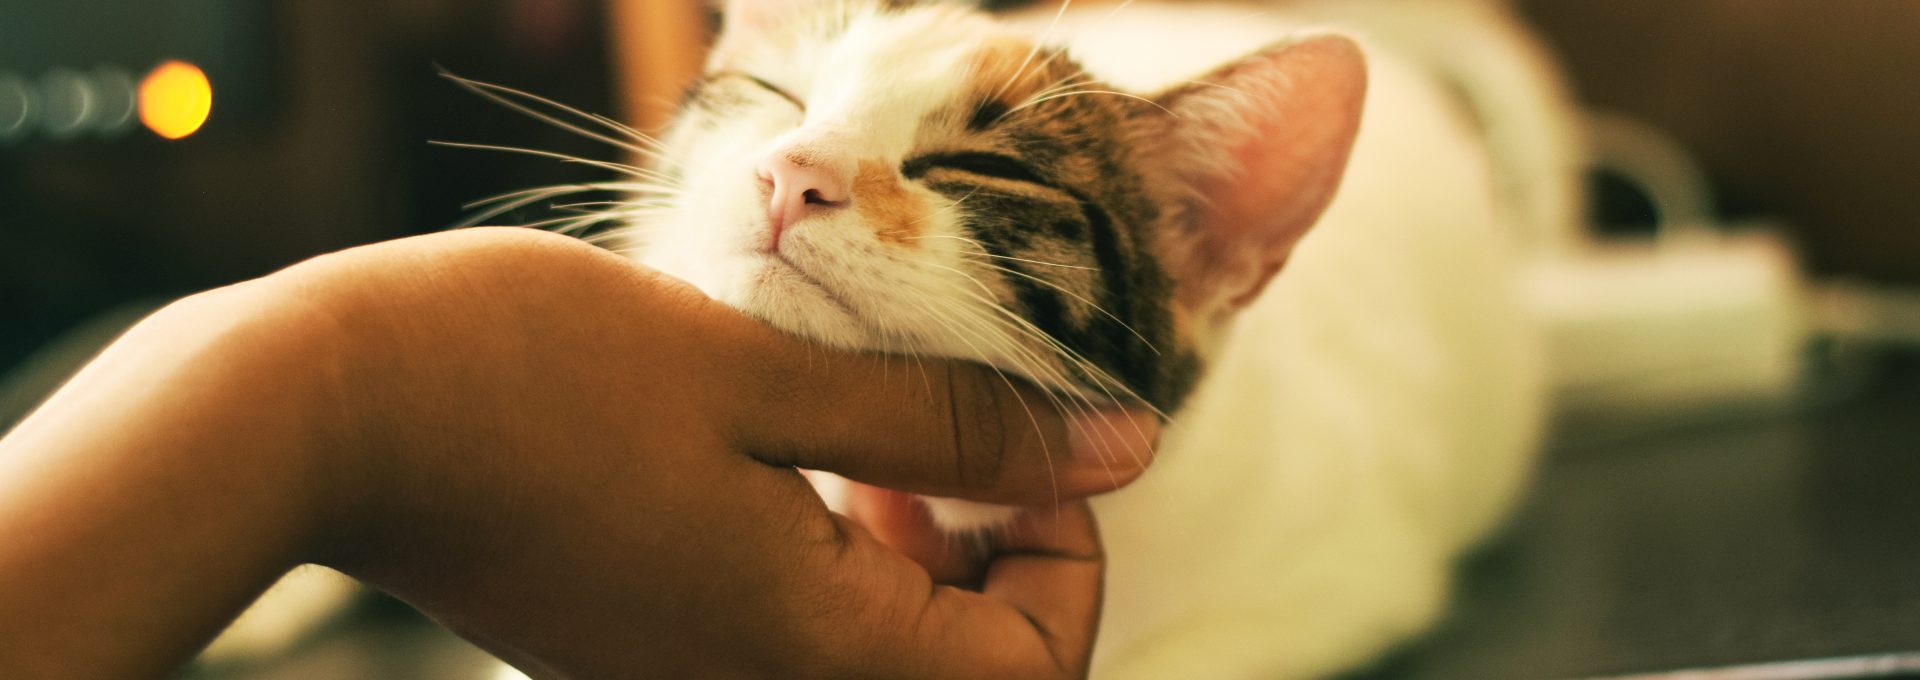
x=1051 y=568
x=931 y=427
x=1036 y=615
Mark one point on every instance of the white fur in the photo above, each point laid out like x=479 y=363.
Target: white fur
x=865 y=96
x=1373 y=414
x=866 y=93
x=1369 y=417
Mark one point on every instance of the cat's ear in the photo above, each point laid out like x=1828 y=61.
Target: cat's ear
x=1259 y=145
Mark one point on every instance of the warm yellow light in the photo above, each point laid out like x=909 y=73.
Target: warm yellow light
x=175 y=99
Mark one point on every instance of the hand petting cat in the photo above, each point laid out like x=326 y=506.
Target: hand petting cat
x=579 y=464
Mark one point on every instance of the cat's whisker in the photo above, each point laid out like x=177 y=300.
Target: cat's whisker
x=1234 y=90
x=1097 y=376
x=1027 y=361
x=501 y=207
x=588 y=218
x=1115 y=93
x=981 y=251
x=1038 y=262
x=1074 y=405
x=1052 y=476
x=564 y=189
x=571 y=223
x=1030 y=365
x=950 y=207
x=505 y=96
x=1022 y=70
x=590 y=205
x=1109 y=16
x=1062 y=383
x=501 y=204
x=1021 y=326
x=1071 y=81
x=1066 y=82
x=1038 y=370
x=622 y=168
x=1089 y=303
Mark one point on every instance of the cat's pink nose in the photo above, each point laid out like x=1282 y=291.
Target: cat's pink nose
x=800 y=190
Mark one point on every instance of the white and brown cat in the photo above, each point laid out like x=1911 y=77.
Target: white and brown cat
x=1146 y=205
x=1301 y=250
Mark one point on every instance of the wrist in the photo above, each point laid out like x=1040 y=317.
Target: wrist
x=328 y=395
x=281 y=408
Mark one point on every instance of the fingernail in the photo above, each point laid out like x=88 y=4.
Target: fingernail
x=1119 y=439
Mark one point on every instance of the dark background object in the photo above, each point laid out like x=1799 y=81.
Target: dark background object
x=318 y=139
x=1808 y=110
x=1745 y=544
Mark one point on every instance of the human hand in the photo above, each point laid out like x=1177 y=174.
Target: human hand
x=582 y=466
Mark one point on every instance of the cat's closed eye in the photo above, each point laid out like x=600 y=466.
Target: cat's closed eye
x=979 y=163
x=770 y=87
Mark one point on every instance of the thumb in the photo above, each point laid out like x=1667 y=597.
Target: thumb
x=931 y=427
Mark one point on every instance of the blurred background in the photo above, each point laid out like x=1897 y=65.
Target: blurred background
x=1734 y=309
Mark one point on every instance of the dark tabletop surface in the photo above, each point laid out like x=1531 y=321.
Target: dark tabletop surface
x=1755 y=541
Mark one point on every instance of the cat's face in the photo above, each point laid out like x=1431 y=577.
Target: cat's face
x=924 y=180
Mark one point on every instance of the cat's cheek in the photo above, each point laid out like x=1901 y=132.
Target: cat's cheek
x=956 y=516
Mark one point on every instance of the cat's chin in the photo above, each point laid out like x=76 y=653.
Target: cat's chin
x=787 y=297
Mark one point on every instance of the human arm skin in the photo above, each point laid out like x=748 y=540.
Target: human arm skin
x=581 y=465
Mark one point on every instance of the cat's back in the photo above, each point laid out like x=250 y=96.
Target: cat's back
x=1401 y=306
x=1372 y=414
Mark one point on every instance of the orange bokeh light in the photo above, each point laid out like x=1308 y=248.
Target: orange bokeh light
x=175 y=99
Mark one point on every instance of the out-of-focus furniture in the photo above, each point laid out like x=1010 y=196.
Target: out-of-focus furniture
x=332 y=150
x=658 y=46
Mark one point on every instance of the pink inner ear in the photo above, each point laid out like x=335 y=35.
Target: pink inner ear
x=1286 y=117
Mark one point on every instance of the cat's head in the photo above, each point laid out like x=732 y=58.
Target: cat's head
x=922 y=179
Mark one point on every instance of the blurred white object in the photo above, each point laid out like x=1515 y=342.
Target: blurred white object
x=1691 y=322
x=1684 y=324
x=1862 y=312
x=1679 y=328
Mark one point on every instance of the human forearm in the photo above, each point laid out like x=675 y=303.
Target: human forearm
x=149 y=500
x=577 y=463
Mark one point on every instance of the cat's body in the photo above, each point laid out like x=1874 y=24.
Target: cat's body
x=1366 y=419
x=1371 y=416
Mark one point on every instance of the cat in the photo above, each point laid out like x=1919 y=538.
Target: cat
x=1131 y=219
x=1354 y=400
